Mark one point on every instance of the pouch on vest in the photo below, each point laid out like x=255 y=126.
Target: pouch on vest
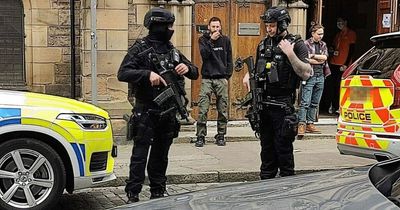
x=130 y=126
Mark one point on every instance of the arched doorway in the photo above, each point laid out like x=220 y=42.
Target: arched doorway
x=12 y=45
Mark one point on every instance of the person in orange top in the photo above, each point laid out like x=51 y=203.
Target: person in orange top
x=341 y=58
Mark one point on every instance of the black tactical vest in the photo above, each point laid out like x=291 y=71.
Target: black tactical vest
x=144 y=45
x=269 y=52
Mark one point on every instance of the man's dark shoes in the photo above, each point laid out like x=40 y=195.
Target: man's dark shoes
x=155 y=195
x=132 y=198
x=200 y=141
x=220 y=140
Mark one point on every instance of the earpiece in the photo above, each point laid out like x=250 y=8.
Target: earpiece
x=282 y=26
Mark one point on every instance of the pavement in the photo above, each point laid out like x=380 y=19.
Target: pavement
x=239 y=160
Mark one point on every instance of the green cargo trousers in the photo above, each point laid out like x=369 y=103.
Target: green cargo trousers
x=220 y=88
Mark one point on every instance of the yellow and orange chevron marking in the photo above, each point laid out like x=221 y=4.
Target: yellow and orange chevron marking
x=365 y=110
x=378 y=98
x=361 y=140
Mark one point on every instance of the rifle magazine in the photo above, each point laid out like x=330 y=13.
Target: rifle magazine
x=164 y=96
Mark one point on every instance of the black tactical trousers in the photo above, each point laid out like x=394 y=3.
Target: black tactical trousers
x=156 y=167
x=164 y=132
x=276 y=150
x=331 y=93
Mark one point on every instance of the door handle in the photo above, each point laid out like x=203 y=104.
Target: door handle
x=238 y=64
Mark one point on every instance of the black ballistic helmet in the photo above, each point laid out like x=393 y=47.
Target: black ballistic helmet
x=279 y=15
x=158 y=15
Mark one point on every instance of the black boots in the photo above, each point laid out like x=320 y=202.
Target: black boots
x=157 y=194
x=200 y=141
x=220 y=140
x=132 y=198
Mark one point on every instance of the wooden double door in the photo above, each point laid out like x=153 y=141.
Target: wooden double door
x=241 y=22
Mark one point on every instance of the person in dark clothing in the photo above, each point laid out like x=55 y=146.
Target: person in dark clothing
x=284 y=55
x=342 y=51
x=150 y=127
x=216 y=52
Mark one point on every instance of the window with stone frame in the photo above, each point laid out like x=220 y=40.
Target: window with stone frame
x=12 y=73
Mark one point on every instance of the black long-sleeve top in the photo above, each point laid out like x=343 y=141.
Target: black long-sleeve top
x=136 y=68
x=216 y=56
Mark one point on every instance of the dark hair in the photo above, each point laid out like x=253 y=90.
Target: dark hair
x=315 y=26
x=213 y=19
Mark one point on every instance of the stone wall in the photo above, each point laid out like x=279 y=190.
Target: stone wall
x=119 y=24
x=135 y=28
x=112 y=42
x=298 y=14
x=47 y=46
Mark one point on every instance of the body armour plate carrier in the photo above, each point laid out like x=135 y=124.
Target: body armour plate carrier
x=274 y=66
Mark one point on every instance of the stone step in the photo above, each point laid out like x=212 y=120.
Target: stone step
x=237 y=134
x=121 y=140
x=321 y=121
x=119 y=125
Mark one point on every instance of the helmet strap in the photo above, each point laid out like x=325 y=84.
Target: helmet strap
x=282 y=26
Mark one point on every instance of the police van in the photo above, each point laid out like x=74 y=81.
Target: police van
x=369 y=121
x=48 y=144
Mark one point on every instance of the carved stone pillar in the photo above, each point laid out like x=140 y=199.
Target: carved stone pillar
x=298 y=14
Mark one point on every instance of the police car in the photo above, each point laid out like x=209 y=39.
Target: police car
x=48 y=144
x=369 y=121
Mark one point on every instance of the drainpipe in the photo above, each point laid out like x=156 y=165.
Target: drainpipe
x=72 y=30
x=395 y=13
x=93 y=50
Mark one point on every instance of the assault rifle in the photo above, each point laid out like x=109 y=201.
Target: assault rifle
x=172 y=95
x=255 y=97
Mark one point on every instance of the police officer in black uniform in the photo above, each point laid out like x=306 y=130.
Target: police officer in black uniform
x=150 y=128
x=283 y=56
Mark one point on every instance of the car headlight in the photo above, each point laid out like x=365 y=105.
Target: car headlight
x=86 y=121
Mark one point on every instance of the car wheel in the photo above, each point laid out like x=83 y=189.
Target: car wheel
x=32 y=175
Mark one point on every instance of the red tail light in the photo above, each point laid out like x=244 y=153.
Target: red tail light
x=396 y=81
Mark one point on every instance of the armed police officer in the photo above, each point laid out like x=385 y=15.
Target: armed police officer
x=280 y=64
x=154 y=124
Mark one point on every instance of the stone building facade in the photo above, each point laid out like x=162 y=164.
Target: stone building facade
x=35 y=36
x=44 y=29
x=45 y=34
x=41 y=33
x=47 y=44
